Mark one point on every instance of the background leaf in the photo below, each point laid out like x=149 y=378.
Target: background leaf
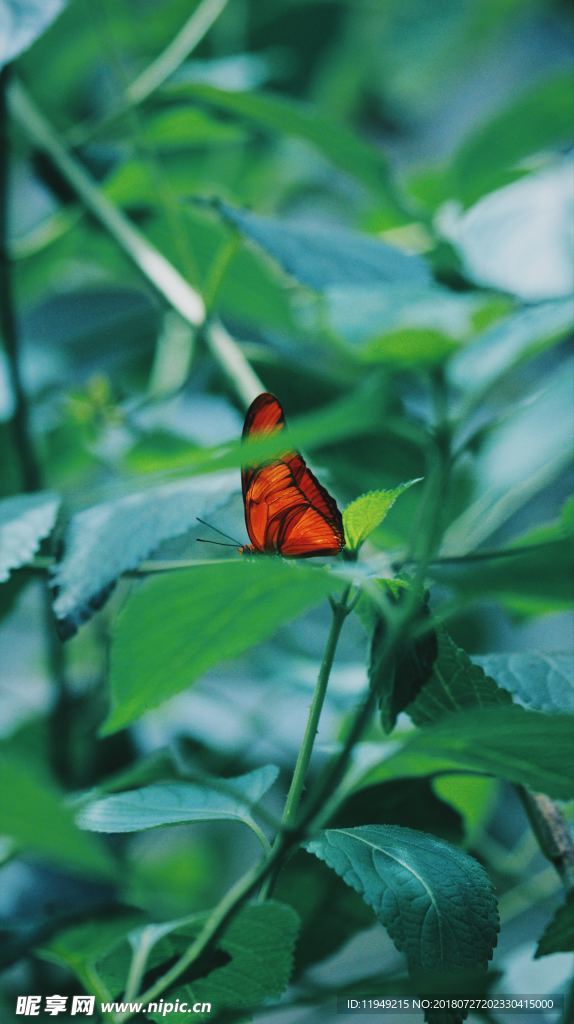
x=172 y=803
x=525 y=747
x=174 y=629
x=106 y=540
x=33 y=815
x=543 y=682
x=286 y=117
x=24 y=521
x=368 y=511
x=436 y=902
x=558 y=936
x=320 y=256
x=21 y=22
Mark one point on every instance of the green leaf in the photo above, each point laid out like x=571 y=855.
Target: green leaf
x=368 y=511
x=33 y=815
x=81 y=945
x=507 y=344
x=21 y=22
x=525 y=747
x=539 y=120
x=527 y=580
x=24 y=521
x=172 y=803
x=260 y=942
x=456 y=684
x=320 y=256
x=508 y=472
x=106 y=540
x=174 y=628
x=185 y=128
x=399 y=683
x=286 y=117
x=543 y=682
x=435 y=901
x=558 y=936
x=408 y=347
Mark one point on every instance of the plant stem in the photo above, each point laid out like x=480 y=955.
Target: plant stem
x=29 y=466
x=552 y=833
x=306 y=749
x=161 y=274
x=156 y=73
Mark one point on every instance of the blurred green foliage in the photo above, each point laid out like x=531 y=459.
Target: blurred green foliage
x=367 y=209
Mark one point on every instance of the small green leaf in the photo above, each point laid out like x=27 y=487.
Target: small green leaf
x=25 y=520
x=174 y=628
x=108 y=539
x=525 y=747
x=368 y=511
x=558 y=936
x=33 y=814
x=436 y=902
x=456 y=684
x=321 y=257
x=22 y=22
x=172 y=803
x=543 y=682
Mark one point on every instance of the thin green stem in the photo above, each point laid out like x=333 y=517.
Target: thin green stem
x=155 y=74
x=306 y=749
x=161 y=274
x=29 y=465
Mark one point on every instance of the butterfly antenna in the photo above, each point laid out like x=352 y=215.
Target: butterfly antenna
x=220 y=543
x=220 y=532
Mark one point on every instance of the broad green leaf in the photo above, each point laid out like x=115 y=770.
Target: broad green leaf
x=527 y=580
x=260 y=942
x=517 y=239
x=33 y=815
x=108 y=539
x=363 y=313
x=399 y=683
x=172 y=803
x=558 y=936
x=508 y=472
x=285 y=117
x=321 y=257
x=21 y=22
x=173 y=629
x=543 y=682
x=509 y=343
x=436 y=902
x=368 y=511
x=525 y=747
x=252 y=963
x=185 y=128
x=24 y=521
x=408 y=347
x=456 y=684
x=539 y=120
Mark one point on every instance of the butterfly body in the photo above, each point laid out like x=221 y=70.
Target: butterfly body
x=287 y=510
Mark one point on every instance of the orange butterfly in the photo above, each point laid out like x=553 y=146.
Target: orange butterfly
x=287 y=511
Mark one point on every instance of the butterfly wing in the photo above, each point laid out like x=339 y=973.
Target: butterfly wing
x=286 y=508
